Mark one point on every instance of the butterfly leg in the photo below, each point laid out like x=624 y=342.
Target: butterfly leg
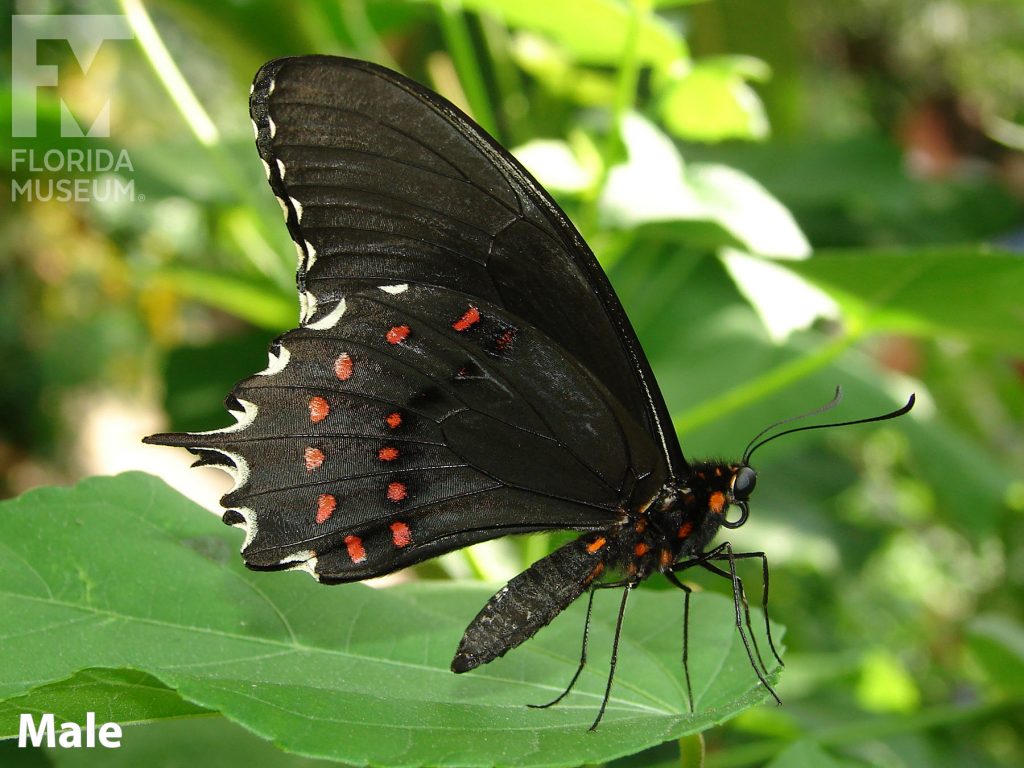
x=583 y=657
x=703 y=562
x=686 y=633
x=615 y=650
x=746 y=609
x=723 y=552
x=764 y=597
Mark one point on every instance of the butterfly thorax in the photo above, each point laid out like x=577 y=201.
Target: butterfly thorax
x=678 y=523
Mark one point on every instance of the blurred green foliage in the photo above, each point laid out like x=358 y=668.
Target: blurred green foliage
x=691 y=143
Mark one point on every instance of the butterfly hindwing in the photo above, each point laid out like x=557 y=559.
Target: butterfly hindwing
x=419 y=421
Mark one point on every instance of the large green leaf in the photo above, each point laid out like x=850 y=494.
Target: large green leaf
x=972 y=292
x=593 y=31
x=125 y=573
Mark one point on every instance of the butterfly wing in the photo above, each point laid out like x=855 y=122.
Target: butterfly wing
x=461 y=371
x=396 y=182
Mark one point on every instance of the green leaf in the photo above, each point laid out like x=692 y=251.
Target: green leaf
x=205 y=741
x=971 y=292
x=115 y=695
x=656 y=185
x=125 y=573
x=592 y=31
x=803 y=754
x=259 y=302
x=712 y=101
x=997 y=643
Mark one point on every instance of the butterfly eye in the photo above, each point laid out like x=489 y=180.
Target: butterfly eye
x=743 y=484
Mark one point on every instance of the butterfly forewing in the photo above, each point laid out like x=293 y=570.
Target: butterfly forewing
x=382 y=180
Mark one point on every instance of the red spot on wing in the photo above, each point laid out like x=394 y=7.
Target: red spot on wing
x=318 y=409
x=314 y=458
x=356 y=552
x=504 y=339
x=397 y=491
x=394 y=420
x=397 y=335
x=343 y=367
x=400 y=534
x=641 y=549
x=470 y=318
x=684 y=530
x=325 y=506
x=387 y=453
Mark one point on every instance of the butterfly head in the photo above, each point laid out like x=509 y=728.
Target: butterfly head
x=741 y=485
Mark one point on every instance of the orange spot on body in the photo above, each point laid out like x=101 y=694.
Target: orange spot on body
x=400 y=534
x=397 y=335
x=597 y=571
x=325 y=506
x=641 y=549
x=716 y=502
x=387 y=453
x=318 y=409
x=596 y=544
x=684 y=530
x=665 y=559
x=343 y=367
x=356 y=552
x=397 y=491
x=314 y=458
x=394 y=420
x=470 y=318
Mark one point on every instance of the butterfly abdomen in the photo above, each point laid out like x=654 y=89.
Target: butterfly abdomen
x=531 y=600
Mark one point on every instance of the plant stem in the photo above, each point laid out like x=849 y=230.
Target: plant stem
x=460 y=47
x=202 y=127
x=760 y=387
x=625 y=96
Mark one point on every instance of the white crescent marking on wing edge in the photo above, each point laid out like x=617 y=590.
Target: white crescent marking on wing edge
x=249 y=525
x=304 y=560
x=239 y=474
x=280 y=167
x=284 y=207
x=307 y=306
x=276 y=363
x=266 y=168
x=395 y=289
x=311 y=258
x=273 y=127
x=243 y=419
x=255 y=129
x=273 y=84
x=298 y=209
x=329 y=320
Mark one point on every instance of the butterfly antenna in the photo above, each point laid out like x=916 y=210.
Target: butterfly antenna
x=884 y=417
x=836 y=398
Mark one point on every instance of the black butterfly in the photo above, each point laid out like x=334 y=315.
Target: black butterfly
x=463 y=370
